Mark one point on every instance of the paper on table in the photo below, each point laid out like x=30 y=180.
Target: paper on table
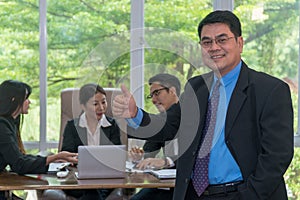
x=164 y=173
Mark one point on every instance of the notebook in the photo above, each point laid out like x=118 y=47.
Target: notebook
x=105 y=161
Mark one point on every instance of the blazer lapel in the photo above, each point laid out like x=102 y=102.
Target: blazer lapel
x=202 y=94
x=82 y=132
x=237 y=99
x=102 y=137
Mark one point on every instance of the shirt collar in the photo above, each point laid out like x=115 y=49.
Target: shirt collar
x=230 y=76
x=102 y=122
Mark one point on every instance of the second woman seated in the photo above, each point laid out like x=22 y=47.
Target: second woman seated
x=92 y=127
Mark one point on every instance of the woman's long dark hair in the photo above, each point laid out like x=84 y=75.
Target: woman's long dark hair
x=12 y=96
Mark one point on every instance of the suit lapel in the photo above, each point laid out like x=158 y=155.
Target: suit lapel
x=82 y=132
x=237 y=99
x=102 y=137
x=202 y=94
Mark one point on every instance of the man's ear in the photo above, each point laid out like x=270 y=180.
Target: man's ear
x=173 y=90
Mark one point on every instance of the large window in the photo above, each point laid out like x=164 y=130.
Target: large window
x=19 y=54
x=78 y=32
x=76 y=29
x=89 y=41
x=271 y=35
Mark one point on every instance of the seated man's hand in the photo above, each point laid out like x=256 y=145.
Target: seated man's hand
x=136 y=154
x=150 y=163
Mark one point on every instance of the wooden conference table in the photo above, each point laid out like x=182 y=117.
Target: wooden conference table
x=12 y=181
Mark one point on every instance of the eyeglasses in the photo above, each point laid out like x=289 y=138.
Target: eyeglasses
x=156 y=92
x=207 y=43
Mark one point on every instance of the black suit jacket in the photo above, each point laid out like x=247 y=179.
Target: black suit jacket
x=11 y=155
x=258 y=132
x=74 y=135
x=152 y=148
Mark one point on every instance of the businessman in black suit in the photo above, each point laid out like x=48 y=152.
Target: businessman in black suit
x=252 y=144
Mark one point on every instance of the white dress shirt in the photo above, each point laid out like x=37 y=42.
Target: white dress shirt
x=93 y=138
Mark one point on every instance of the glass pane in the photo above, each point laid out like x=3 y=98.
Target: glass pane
x=19 y=54
x=171 y=40
x=80 y=48
x=271 y=35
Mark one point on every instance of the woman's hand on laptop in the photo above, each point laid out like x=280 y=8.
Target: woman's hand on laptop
x=63 y=156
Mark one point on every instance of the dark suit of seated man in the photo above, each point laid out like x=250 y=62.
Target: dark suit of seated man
x=164 y=92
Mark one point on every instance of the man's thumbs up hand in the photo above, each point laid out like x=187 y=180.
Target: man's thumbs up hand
x=124 y=104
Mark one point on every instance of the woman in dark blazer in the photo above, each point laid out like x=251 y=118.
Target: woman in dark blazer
x=91 y=128
x=14 y=103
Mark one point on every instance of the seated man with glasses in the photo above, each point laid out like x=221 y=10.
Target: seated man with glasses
x=164 y=92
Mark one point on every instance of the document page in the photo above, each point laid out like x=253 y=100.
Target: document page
x=164 y=173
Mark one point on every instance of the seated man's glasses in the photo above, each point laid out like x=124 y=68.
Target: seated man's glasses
x=156 y=92
x=207 y=42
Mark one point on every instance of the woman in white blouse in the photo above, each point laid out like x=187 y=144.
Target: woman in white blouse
x=91 y=128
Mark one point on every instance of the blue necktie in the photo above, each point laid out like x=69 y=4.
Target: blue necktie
x=200 y=173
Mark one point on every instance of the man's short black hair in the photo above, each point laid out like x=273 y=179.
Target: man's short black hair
x=166 y=80
x=224 y=17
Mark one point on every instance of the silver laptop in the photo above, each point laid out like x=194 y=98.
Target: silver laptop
x=105 y=161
